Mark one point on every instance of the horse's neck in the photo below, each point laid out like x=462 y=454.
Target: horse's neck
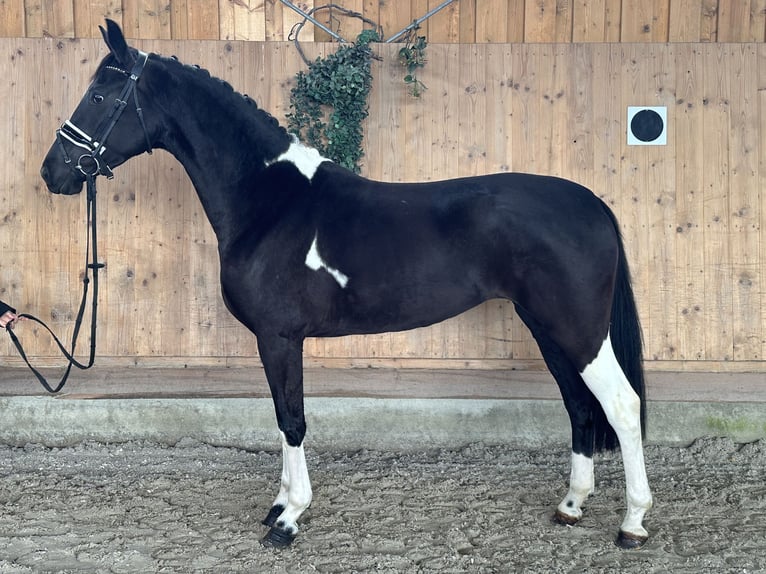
x=223 y=153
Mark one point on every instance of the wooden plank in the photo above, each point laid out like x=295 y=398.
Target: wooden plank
x=744 y=201
x=394 y=16
x=709 y=21
x=734 y=21
x=90 y=14
x=13 y=209
x=180 y=14
x=607 y=133
x=492 y=21
x=757 y=20
x=467 y=24
x=202 y=22
x=540 y=21
x=716 y=209
x=589 y=21
x=684 y=23
x=564 y=22
x=578 y=94
x=146 y=19
x=516 y=22
x=273 y=10
x=645 y=21
x=53 y=19
x=660 y=201
x=688 y=114
x=444 y=26
x=761 y=95
x=613 y=22
x=12 y=19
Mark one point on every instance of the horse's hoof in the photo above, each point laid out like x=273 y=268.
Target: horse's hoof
x=565 y=519
x=278 y=537
x=628 y=541
x=271 y=518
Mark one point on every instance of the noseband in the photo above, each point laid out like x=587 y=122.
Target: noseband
x=96 y=145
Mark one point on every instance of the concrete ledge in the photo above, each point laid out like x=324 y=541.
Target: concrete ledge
x=349 y=423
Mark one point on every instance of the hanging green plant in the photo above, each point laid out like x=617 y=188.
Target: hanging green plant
x=328 y=102
x=413 y=57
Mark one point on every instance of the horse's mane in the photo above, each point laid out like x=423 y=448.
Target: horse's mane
x=109 y=61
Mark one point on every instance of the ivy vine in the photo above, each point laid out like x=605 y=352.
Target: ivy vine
x=413 y=57
x=329 y=101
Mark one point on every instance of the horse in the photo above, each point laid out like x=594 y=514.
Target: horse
x=308 y=248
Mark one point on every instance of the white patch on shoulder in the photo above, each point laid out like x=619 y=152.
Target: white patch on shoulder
x=315 y=262
x=306 y=159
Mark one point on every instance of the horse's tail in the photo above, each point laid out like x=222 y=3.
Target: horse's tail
x=625 y=332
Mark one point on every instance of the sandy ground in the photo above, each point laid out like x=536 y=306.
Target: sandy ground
x=143 y=507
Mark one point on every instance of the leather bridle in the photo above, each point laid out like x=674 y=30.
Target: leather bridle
x=95 y=145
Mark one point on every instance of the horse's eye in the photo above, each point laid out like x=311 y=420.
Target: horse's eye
x=97 y=98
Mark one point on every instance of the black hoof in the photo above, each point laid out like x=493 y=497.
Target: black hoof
x=278 y=538
x=628 y=541
x=271 y=518
x=561 y=518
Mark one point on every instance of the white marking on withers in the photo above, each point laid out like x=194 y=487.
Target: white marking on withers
x=306 y=159
x=621 y=404
x=295 y=492
x=315 y=262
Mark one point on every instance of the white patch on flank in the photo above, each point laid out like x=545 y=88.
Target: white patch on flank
x=608 y=383
x=315 y=262
x=305 y=159
x=295 y=489
x=581 y=485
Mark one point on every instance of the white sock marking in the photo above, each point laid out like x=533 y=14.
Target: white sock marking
x=305 y=159
x=295 y=490
x=608 y=383
x=315 y=262
x=581 y=485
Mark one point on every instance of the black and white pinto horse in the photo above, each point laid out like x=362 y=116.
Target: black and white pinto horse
x=310 y=249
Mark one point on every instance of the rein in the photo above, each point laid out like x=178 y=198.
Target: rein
x=89 y=265
x=95 y=165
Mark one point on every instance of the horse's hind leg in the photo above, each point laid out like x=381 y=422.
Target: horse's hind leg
x=621 y=405
x=580 y=405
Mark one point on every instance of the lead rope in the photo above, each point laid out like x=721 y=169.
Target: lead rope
x=94 y=266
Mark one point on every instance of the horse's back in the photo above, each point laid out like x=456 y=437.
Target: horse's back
x=414 y=254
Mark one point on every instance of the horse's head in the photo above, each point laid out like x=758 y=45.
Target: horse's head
x=99 y=136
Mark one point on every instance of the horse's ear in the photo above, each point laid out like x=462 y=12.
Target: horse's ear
x=117 y=44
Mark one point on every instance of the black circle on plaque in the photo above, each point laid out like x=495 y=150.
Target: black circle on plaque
x=646 y=125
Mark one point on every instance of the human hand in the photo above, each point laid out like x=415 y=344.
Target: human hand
x=8 y=319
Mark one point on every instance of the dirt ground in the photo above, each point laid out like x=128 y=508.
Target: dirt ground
x=192 y=507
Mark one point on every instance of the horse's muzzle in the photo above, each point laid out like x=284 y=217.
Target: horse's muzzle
x=64 y=181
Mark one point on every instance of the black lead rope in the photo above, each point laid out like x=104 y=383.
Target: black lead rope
x=93 y=265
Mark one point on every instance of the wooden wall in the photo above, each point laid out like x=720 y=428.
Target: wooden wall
x=464 y=21
x=693 y=212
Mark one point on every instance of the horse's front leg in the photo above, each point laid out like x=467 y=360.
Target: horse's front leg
x=283 y=362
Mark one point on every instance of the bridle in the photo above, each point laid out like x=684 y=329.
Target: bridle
x=94 y=166
x=95 y=146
